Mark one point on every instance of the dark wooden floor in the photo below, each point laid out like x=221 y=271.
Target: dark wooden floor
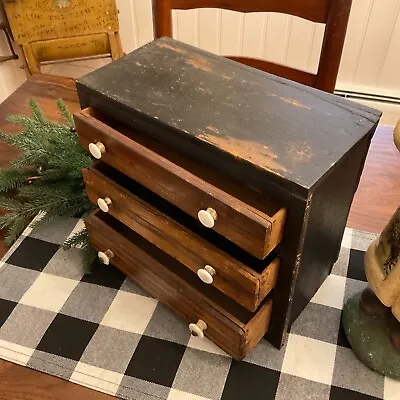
x=376 y=199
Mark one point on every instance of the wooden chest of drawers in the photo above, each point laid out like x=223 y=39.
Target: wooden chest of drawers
x=222 y=190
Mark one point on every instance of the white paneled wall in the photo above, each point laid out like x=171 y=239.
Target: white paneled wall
x=371 y=58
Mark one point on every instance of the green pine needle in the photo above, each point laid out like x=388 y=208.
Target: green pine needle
x=47 y=176
x=78 y=239
x=37 y=112
x=11 y=178
x=62 y=108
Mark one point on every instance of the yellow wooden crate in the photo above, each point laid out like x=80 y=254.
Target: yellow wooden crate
x=33 y=20
x=52 y=30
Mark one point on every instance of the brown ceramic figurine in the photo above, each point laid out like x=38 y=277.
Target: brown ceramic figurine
x=371 y=319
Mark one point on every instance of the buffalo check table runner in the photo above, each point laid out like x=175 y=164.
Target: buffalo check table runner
x=104 y=332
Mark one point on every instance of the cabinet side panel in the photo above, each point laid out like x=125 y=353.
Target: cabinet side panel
x=330 y=206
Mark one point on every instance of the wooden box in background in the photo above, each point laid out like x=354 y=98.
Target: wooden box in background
x=51 y=30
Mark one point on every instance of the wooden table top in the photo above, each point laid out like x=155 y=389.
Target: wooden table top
x=376 y=199
x=46 y=90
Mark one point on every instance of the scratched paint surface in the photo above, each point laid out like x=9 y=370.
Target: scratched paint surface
x=295 y=132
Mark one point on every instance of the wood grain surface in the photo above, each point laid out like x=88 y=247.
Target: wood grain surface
x=246 y=280
x=235 y=118
x=34 y=20
x=69 y=48
x=231 y=327
x=46 y=90
x=246 y=217
x=376 y=199
x=378 y=194
x=313 y=10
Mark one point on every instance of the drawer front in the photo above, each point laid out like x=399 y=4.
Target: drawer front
x=250 y=228
x=231 y=327
x=232 y=277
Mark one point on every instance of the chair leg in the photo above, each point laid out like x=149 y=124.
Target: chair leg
x=13 y=55
x=32 y=63
x=115 y=45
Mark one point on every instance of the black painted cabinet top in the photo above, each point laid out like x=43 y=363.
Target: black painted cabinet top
x=292 y=131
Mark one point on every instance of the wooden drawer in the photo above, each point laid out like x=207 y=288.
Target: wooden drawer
x=239 y=275
x=248 y=219
x=229 y=325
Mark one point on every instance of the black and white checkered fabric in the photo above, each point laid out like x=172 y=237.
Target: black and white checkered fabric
x=104 y=332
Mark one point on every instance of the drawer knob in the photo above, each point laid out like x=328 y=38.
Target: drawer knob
x=206 y=274
x=207 y=217
x=106 y=256
x=104 y=203
x=97 y=149
x=198 y=329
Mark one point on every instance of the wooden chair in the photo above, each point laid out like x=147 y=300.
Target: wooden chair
x=333 y=13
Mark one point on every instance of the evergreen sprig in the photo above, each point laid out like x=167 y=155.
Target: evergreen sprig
x=46 y=178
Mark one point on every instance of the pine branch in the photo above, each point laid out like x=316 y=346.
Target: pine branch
x=37 y=112
x=65 y=113
x=41 y=219
x=47 y=176
x=15 y=230
x=79 y=239
x=89 y=255
x=10 y=204
x=11 y=178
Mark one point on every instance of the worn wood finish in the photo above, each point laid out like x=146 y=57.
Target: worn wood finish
x=334 y=13
x=303 y=77
x=32 y=21
x=284 y=139
x=183 y=238
x=79 y=46
x=231 y=327
x=370 y=211
x=202 y=106
x=51 y=32
x=249 y=219
x=325 y=223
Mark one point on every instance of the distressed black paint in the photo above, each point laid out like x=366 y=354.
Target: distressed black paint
x=303 y=147
x=274 y=124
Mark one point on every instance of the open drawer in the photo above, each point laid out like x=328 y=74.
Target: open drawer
x=239 y=275
x=239 y=213
x=229 y=325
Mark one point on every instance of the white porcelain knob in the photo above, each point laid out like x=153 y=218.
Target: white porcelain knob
x=106 y=256
x=208 y=217
x=97 y=149
x=104 y=203
x=198 y=329
x=206 y=274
